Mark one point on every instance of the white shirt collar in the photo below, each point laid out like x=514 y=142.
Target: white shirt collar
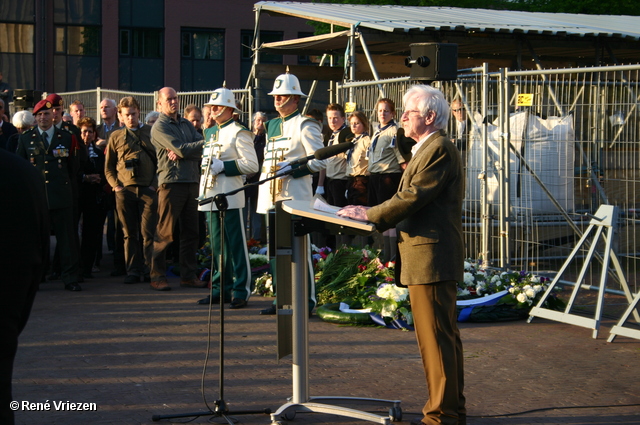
x=415 y=147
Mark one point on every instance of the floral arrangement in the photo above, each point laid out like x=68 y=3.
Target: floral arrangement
x=524 y=289
x=391 y=302
x=264 y=285
x=358 y=278
x=319 y=256
x=350 y=275
x=258 y=260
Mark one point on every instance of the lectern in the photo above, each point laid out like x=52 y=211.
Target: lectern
x=301 y=212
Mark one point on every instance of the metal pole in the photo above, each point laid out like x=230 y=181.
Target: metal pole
x=484 y=204
x=503 y=170
x=300 y=273
x=352 y=59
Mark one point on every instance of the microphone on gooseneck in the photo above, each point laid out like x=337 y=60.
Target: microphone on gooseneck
x=332 y=150
x=322 y=153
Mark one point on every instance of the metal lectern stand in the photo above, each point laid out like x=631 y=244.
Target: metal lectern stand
x=301 y=401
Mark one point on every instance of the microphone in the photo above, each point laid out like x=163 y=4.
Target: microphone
x=322 y=153
x=333 y=150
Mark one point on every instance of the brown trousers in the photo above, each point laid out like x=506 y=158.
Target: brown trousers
x=176 y=204
x=137 y=208
x=434 y=315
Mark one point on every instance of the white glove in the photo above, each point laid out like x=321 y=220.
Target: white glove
x=320 y=190
x=284 y=168
x=216 y=166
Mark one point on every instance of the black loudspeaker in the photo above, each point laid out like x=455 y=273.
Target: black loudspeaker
x=25 y=99
x=433 y=61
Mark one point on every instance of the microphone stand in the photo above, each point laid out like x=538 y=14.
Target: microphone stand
x=221 y=410
x=220 y=406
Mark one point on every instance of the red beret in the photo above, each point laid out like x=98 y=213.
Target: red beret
x=42 y=106
x=55 y=99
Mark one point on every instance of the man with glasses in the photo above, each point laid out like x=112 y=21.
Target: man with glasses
x=427 y=213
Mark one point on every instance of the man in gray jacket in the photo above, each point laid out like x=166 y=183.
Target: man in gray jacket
x=179 y=151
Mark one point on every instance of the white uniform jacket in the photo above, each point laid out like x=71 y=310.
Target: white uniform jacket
x=231 y=143
x=289 y=138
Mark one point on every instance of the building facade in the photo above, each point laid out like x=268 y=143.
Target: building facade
x=70 y=45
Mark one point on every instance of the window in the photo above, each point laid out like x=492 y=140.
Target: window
x=77 y=12
x=203 y=44
x=82 y=41
x=141 y=43
x=141 y=67
x=202 y=64
x=16 y=38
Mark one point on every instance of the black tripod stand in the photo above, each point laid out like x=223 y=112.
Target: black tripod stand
x=220 y=408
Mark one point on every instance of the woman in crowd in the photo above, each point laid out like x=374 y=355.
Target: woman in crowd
x=22 y=121
x=151 y=118
x=386 y=164
x=93 y=198
x=259 y=141
x=357 y=163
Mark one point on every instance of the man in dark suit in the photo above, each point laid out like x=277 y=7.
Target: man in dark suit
x=25 y=248
x=427 y=213
x=6 y=128
x=55 y=154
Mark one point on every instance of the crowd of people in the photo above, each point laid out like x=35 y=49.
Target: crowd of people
x=159 y=181
x=143 y=177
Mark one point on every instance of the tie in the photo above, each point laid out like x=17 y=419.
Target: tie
x=45 y=139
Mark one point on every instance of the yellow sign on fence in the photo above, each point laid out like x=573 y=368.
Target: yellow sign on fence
x=525 y=99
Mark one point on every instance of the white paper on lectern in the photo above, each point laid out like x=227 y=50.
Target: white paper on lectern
x=320 y=204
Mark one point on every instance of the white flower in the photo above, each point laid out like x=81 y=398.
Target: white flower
x=392 y=292
x=512 y=290
x=387 y=311
x=268 y=284
x=495 y=278
x=263 y=258
x=537 y=288
x=467 y=265
x=463 y=292
x=522 y=298
x=534 y=279
x=531 y=293
x=468 y=278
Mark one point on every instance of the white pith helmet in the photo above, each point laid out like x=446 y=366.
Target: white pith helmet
x=286 y=84
x=222 y=97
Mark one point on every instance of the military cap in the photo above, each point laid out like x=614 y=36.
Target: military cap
x=43 y=105
x=55 y=100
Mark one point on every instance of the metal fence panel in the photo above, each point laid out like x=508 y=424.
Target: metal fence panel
x=542 y=150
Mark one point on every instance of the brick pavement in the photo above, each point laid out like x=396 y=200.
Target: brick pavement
x=135 y=353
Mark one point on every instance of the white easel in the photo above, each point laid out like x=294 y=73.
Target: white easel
x=605 y=218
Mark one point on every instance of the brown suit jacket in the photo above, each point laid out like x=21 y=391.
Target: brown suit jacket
x=427 y=213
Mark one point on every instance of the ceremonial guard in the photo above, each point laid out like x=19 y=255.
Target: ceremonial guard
x=228 y=154
x=291 y=136
x=55 y=154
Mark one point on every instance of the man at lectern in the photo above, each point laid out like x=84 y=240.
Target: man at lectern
x=427 y=213
x=291 y=136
